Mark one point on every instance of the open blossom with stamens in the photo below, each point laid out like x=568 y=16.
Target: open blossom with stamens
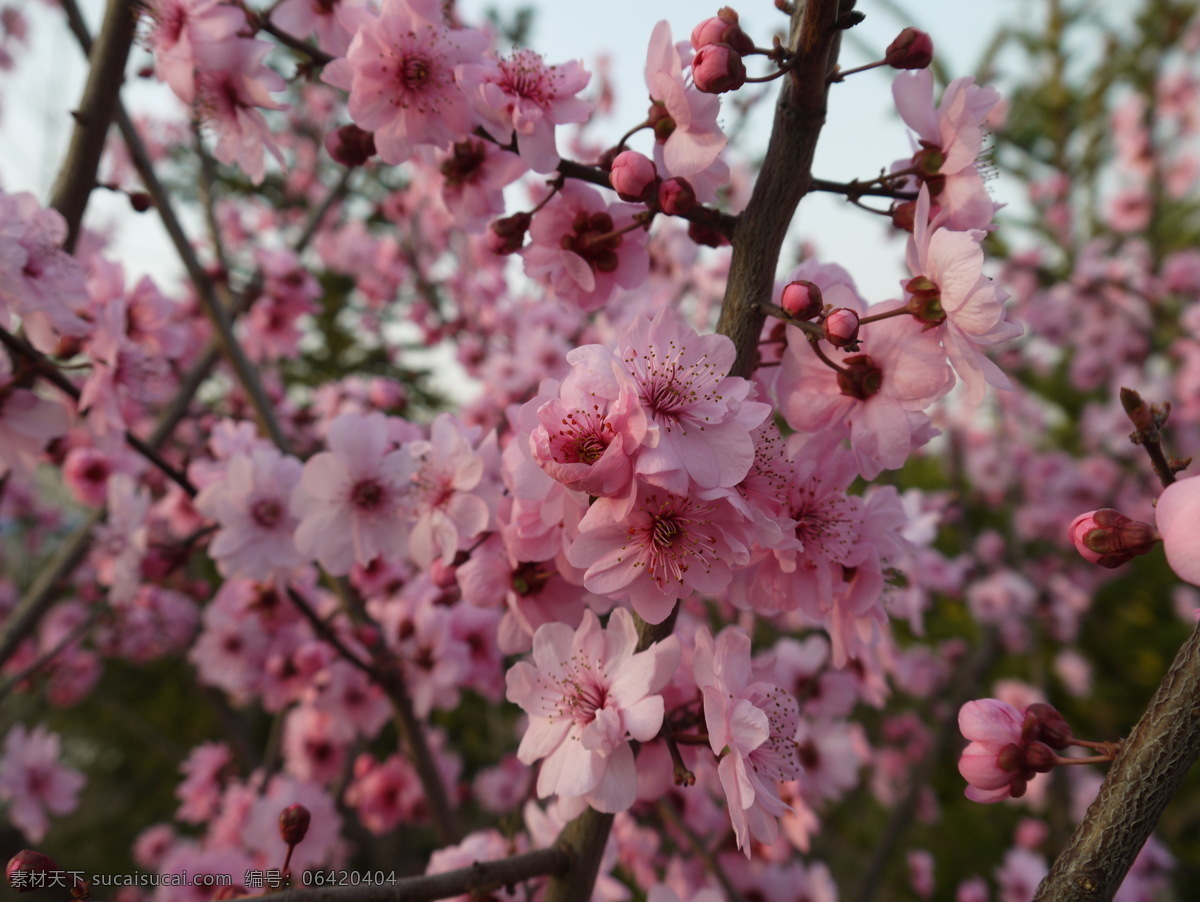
x=250 y=502
x=522 y=96
x=348 y=498
x=399 y=71
x=661 y=548
x=587 y=693
x=704 y=415
x=752 y=727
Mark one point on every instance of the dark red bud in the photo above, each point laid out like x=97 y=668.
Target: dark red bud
x=507 y=235
x=1055 y=731
x=1039 y=757
x=1011 y=758
x=293 y=824
x=912 y=49
x=350 y=145
x=140 y=201
x=25 y=863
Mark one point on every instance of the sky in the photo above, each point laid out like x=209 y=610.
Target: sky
x=862 y=134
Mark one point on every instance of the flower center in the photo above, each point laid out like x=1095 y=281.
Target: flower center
x=267 y=512
x=368 y=495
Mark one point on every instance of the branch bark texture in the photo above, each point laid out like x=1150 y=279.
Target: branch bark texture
x=1143 y=778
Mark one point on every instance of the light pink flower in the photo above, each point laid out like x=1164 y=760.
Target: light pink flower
x=399 y=71
x=752 y=727
x=27 y=424
x=250 y=503
x=965 y=308
x=304 y=17
x=384 y=795
x=587 y=693
x=121 y=542
x=1177 y=515
x=662 y=548
x=348 y=498
x=200 y=792
x=476 y=173
x=232 y=83
x=34 y=783
x=695 y=140
x=523 y=97
x=183 y=28
x=580 y=248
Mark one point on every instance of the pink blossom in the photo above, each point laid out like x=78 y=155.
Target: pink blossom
x=752 y=727
x=582 y=248
x=1007 y=747
x=200 y=792
x=400 y=72
x=523 y=97
x=250 y=503
x=384 y=795
x=954 y=298
x=27 y=424
x=951 y=138
x=1176 y=518
x=181 y=30
x=446 y=497
x=587 y=693
x=476 y=173
x=662 y=548
x=693 y=139
x=121 y=542
x=231 y=85
x=348 y=497
x=34 y=783
x=301 y=18
x=315 y=744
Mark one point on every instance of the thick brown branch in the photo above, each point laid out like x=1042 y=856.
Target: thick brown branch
x=785 y=178
x=1145 y=775
x=101 y=96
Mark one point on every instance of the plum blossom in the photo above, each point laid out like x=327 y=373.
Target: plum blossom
x=400 y=72
x=587 y=693
x=585 y=249
x=27 y=424
x=751 y=727
x=182 y=30
x=251 y=504
x=956 y=300
x=304 y=17
x=347 y=499
x=1008 y=747
x=693 y=139
x=33 y=782
x=523 y=97
x=122 y=541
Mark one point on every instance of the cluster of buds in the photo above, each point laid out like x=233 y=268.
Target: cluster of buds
x=635 y=178
x=1008 y=747
x=720 y=44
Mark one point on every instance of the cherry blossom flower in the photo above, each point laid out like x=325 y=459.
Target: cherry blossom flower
x=476 y=173
x=1008 y=747
x=34 y=783
x=523 y=97
x=693 y=138
x=962 y=305
x=200 y=792
x=399 y=71
x=587 y=693
x=661 y=548
x=704 y=416
x=384 y=795
x=951 y=137
x=181 y=30
x=231 y=85
x=121 y=542
x=1175 y=516
x=27 y=424
x=582 y=248
x=301 y=18
x=348 y=497
x=752 y=727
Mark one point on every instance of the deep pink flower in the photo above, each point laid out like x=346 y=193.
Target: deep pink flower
x=581 y=250
x=476 y=173
x=34 y=783
x=752 y=727
x=1177 y=515
x=587 y=694
x=399 y=71
x=348 y=498
x=523 y=97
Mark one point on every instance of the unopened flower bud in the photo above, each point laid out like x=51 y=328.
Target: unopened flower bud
x=350 y=145
x=633 y=176
x=1109 y=538
x=912 y=49
x=1039 y=757
x=1052 y=727
x=293 y=824
x=1011 y=758
x=676 y=197
x=718 y=68
x=140 y=201
x=841 y=327
x=723 y=28
x=706 y=236
x=25 y=863
x=660 y=120
x=903 y=215
x=443 y=575
x=861 y=378
x=507 y=235
x=802 y=299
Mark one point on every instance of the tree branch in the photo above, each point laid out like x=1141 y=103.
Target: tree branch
x=1144 y=776
x=785 y=178
x=101 y=97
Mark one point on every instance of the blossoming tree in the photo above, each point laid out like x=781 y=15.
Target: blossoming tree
x=635 y=618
